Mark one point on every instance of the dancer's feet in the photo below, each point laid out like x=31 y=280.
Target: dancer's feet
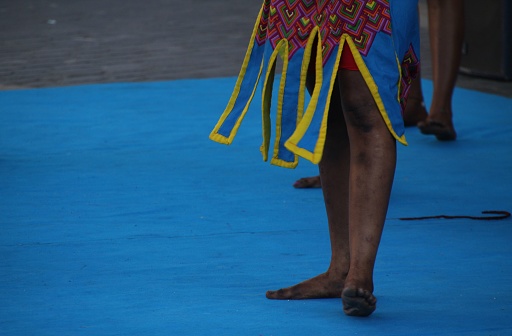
x=308 y=182
x=320 y=287
x=442 y=130
x=358 y=301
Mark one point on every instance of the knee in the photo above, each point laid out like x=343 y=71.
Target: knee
x=361 y=115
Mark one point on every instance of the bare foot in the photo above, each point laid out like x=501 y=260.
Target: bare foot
x=308 y=182
x=358 y=301
x=320 y=287
x=439 y=123
x=443 y=131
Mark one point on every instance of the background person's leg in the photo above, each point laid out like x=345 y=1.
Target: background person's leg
x=446 y=32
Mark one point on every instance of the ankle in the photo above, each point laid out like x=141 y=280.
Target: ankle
x=441 y=112
x=359 y=280
x=336 y=274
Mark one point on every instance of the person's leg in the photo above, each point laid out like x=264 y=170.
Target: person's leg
x=372 y=168
x=334 y=172
x=446 y=30
x=415 y=110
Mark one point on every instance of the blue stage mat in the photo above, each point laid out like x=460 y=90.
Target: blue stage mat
x=119 y=217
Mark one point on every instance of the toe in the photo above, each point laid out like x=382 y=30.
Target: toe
x=358 y=302
x=307 y=182
x=280 y=294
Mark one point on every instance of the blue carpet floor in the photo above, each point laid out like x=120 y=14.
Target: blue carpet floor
x=119 y=217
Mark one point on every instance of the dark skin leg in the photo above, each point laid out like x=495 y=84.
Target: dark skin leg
x=446 y=30
x=372 y=168
x=415 y=110
x=334 y=166
x=356 y=170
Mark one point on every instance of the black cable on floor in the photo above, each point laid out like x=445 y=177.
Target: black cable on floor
x=497 y=215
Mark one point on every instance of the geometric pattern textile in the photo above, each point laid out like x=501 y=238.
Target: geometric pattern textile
x=410 y=70
x=362 y=20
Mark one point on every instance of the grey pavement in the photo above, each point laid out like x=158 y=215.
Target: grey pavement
x=47 y=43
x=66 y=42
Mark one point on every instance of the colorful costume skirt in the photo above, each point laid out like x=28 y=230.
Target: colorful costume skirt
x=383 y=37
